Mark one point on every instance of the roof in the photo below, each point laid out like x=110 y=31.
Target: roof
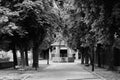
x=59 y=43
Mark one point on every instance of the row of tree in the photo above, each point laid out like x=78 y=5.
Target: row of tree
x=90 y=22
x=34 y=24
x=26 y=25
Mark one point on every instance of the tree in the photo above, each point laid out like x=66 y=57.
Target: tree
x=37 y=20
x=83 y=21
x=8 y=28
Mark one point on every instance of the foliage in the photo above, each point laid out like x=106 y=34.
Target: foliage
x=87 y=23
x=28 y=20
x=79 y=22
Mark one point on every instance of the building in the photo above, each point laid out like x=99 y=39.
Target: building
x=60 y=52
x=6 y=56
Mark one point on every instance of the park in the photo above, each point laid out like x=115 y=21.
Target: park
x=60 y=38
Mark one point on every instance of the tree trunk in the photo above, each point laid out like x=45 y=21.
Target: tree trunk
x=47 y=53
x=23 y=62
x=82 y=55
x=112 y=40
x=35 y=56
x=87 y=56
x=99 y=59
x=26 y=57
x=82 y=58
x=47 y=60
x=37 y=41
x=111 y=61
x=92 y=58
x=98 y=52
x=112 y=28
x=86 y=59
x=14 y=55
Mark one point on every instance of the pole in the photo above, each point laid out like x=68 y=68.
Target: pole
x=92 y=58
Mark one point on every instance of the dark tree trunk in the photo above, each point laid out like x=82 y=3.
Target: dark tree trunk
x=98 y=51
x=35 y=56
x=37 y=41
x=82 y=55
x=112 y=29
x=92 y=57
x=112 y=40
x=47 y=54
x=82 y=58
x=86 y=59
x=87 y=56
x=99 y=59
x=111 y=58
x=23 y=62
x=14 y=55
x=26 y=57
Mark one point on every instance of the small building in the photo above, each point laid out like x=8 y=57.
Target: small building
x=60 y=52
x=6 y=56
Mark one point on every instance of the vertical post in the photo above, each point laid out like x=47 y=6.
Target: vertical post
x=92 y=58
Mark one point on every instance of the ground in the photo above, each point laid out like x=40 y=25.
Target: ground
x=54 y=71
x=105 y=73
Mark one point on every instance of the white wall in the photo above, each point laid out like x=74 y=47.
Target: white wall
x=9 y=54
x=6 y=55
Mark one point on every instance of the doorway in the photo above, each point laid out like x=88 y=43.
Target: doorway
x=63 y=53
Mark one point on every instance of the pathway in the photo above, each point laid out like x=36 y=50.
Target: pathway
x=54 y=71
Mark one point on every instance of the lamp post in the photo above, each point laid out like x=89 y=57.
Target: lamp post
x=93 y=58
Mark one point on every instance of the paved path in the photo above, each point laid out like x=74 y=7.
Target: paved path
x=54 y=71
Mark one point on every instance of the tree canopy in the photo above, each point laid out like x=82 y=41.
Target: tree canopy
x=39 y=23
